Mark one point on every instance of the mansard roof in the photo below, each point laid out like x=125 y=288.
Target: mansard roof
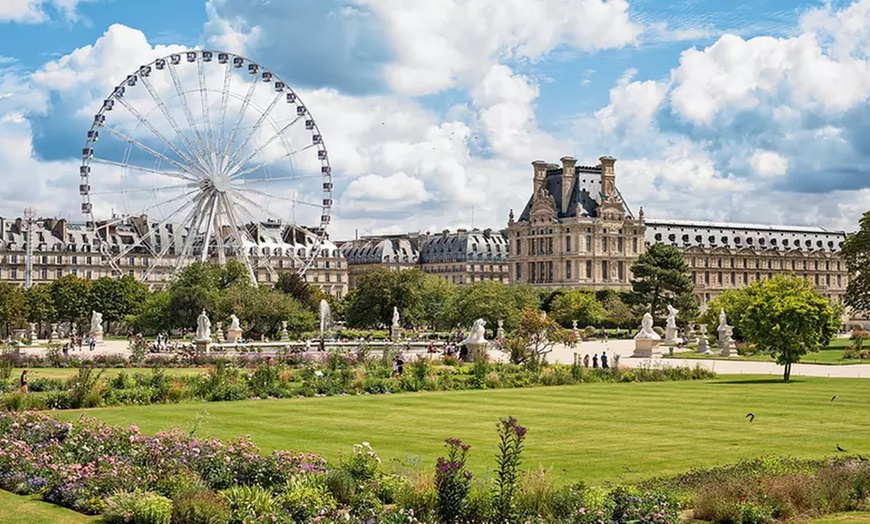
x=465 y=246
x=585 y=195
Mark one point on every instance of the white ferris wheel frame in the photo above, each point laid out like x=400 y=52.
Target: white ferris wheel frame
x=207 y=161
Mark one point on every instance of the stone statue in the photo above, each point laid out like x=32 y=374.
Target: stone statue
x=574 y=325
x=672 y=316
x=203 y=327
x=96 y=322
x=646 y=329
x=395 y=316
x=500 y=324
x=478 y=331
x=723 y=320
x=234 y=323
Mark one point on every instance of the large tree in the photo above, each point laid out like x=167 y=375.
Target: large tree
x=786 y=318
x=71 y=296
x=735 y=303
x=13 y=305
x=579 y=305
x=40 y=306
x=493 y=301
x=661 y=277
x=856 y=255
x=118 y=298
x=291 y=283
x=535 y=336
x=378 y=291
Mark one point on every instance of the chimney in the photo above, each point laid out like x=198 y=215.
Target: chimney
x=540 y=176
x=445 y=233
x=568 y=174
x=608 y=177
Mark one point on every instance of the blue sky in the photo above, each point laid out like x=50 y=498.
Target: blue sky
x=717 y=109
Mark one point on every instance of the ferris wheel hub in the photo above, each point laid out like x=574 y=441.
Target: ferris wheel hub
x=221 y=182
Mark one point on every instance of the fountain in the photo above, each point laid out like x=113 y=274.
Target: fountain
x=325 y=318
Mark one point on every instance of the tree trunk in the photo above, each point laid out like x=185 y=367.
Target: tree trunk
x=786 y=375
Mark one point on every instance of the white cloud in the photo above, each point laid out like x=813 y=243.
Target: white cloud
x=396 y=189
x=632 y=103
x=446 y=43
x=35 y=11
x=768 y=163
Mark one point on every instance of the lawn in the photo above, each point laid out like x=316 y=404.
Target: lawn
x=594 y=431
x=15 y=509
x=64 y=373
x=831 y=355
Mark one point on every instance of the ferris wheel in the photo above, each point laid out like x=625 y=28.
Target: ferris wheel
x=193 y=156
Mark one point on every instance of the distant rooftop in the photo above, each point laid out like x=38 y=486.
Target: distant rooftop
x=736 y=225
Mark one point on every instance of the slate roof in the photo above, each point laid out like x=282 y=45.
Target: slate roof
x=585 y=196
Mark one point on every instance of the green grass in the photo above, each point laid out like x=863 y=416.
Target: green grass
x=15 y=509
x=858 y=517
x=588 y=431
x=64 y=373
x=831 y=355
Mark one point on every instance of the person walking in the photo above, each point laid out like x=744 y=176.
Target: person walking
x=604 y=360
x=23 y=381
x=92 y=343
x=586 y=360
x=595 y=360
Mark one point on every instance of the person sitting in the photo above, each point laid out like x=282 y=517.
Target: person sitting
x=23 y=381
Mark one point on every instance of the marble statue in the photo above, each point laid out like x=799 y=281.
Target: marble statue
x=96 y=322
x=203 y=327
x=478 y=331
x=395 y=316
x=723 y=320
x=234 y=323
x=574 y=325
x=672 y=316
x=499 y=333
x=646 y=329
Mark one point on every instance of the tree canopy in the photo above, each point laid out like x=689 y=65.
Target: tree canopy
x=786 y=318
x=579 y=305
x=661 y=277
x=856 y=255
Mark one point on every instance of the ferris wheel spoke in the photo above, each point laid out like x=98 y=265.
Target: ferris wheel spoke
x=173 y=174
x=185 y=106
x=232 y=170
x=225 y=152
x=225 y=98
x=236 y=233
x=270 y=162
x=203 y=94
x=156 y=154
x=143 y=189
x=277 y=197
x=255 y=128
x=145 y=122
x=172 y=122
x=247 y=181
x=242 y=200
x=192 y=232
x=209 y=228
x=141 y=242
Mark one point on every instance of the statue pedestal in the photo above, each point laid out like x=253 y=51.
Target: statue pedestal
x=499 y=334
x=53 y=336
x=671 y=337
x=19 y=335
x=646 y=348
x=703 y=347
x=395 y=332
x=201 y=345
x=727 y=348
x=475 y=349
x=285 y=336
x=220 y=333
x=32 y=337
x=234 y=335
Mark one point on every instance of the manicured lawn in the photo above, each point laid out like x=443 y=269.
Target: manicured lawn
x=15 y=509
x=64 y=373
x=844 y=518
x=832 y=355
x=588 y=431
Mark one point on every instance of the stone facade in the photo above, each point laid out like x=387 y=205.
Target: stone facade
x=63 y=248
x=460 y=257
x=577 y=231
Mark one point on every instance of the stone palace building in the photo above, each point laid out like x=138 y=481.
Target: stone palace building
x=62 y=248
x=577 y=231
x=460 y=257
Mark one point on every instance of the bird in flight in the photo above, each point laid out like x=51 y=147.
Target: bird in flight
x=839 y=448
x=834 y=398
x=750 y=416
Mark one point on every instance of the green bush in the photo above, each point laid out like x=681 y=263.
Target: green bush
x=306 y=498
x=341 y=484
x=200 y=508
x=250 y=503
x=183 y=482
x=138 y=507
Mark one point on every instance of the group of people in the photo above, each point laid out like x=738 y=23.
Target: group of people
x=605 y=363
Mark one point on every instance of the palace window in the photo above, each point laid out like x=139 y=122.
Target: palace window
x=604 y=274
x=634 y=245
x=588 y=243
x=620 y=271
x=567 y=243
x=567 y=270
x=604 y=244
x=519 y=272
x=519 y=247
x=588 y=269
x=619 y=244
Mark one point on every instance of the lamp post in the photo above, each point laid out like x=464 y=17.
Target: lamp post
x=28 y=254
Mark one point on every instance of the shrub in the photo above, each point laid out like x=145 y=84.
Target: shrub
x=200 y=508
x=510 y=449
x=250 y=502
x=364 y=464
x=137 y=507
x=341 y=484
x=452 y=480
x=306 y=498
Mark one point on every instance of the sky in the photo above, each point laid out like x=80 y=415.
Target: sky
x=432 y=112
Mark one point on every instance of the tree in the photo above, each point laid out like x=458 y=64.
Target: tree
x=118 y=298
x=535 y=337
x=262 y=310
x=735 y=303
x=787 y=318
x=155 y=315
x=378 y=291
x=194 y=289
x=492 y=301
x=13 y=305
x=662 y=277
x=856 y=255
x=437 y=302
x=71 y=296
x=291 y=283
x=579 y=305
x=40 y=307
x=618 y=313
